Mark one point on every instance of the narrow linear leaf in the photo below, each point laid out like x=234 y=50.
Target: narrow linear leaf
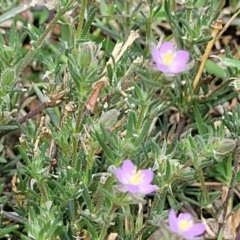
x=50 y=111
x=89 y=21
x=229 y=62
x=90 y=228
x=13 y=12
x=213 y=68
x=105 y=147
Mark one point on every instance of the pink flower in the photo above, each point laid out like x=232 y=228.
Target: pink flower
x=133 y=180
x=168 y=59
x=184 y=225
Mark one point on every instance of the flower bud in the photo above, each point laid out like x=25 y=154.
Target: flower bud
x=225 y=146
x=85 y=55
x=109 y=118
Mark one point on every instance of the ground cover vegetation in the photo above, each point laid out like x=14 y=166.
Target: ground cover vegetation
x=119 y=119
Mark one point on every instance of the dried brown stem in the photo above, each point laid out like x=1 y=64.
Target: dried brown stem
x=217 y=26
x=32 y=113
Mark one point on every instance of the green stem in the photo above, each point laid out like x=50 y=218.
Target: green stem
x=39 y=42
x=81 y=19
x=43 y=192
x=77 y=129
x=217 y=89
x=103 y=231
x=202 y=181
x=141 y=116
x=149 y=24
x=107 y=224
x=188 y=13
x=128 y=12
x=148 y=30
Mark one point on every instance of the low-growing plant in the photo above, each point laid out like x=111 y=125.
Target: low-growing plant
x=110 y=125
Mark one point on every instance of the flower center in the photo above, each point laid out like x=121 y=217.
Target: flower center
x=185 y=224
x=136 y=177
x=168 y=57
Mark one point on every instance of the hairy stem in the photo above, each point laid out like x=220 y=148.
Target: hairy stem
x=77 y=129
x=39 y=42
x=81 y=19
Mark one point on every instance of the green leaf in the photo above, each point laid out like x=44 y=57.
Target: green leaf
x=229 y=62
x=54 y=227
x=203 y=40
x=235 y=4
x=7 y=229
x=199 y=120
x=8 y=128
x=220 y=235
x=91 y=228
x=130 y=124
x=50 y=111
x=13 y=12
x=143 y=133
x=87 y=199
x=168 y=170
x=213 y=68
x=24 y=156
x=106 y=149
x=90 y=19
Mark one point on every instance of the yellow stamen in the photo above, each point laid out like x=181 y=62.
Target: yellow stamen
x=185 y=224
x=168 y=57
x=136 y=177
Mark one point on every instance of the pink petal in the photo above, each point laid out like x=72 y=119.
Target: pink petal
x=125 y=172
x=132 y=188
x=194 y=231
x=163 y=68
x=128 y=167
x=155 y=54
x=146 y=189
x=185 y=216
x=147 y=176
x=157 y=58
x=179 y=61
x=118 y=174
x=173 y=221
x=166 y=47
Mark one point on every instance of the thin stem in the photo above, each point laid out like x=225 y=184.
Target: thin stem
x=202 y=182
x=149 y=26
x=107 y=225
x=149 y=29
x=128 y=12
x=103 y=231
x=39 y=42
x=77 y=129
x=81 y=19
x=43 y=192
x=141 y=116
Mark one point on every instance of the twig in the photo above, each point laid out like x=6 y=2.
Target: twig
x=228 y=24
x=32 y=113
x=217 y=26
